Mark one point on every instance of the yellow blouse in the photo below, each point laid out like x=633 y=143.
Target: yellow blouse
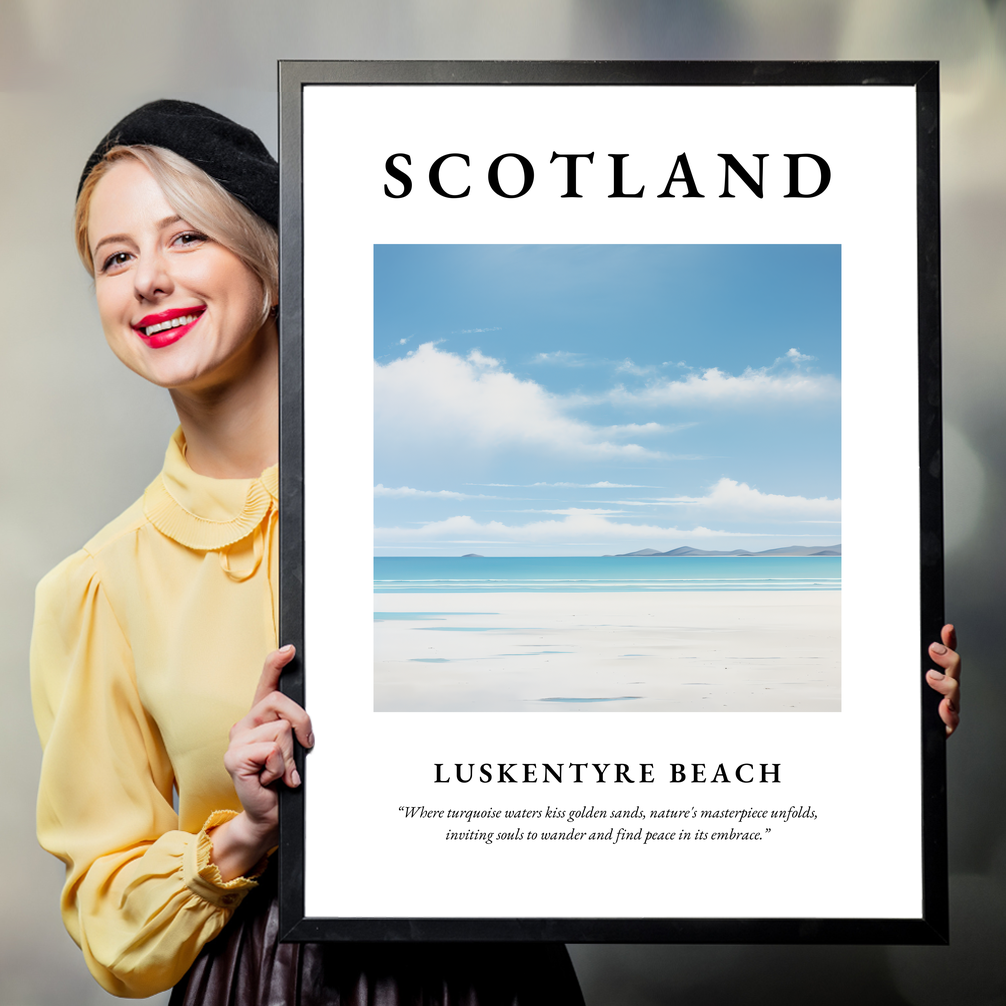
x=147 y=647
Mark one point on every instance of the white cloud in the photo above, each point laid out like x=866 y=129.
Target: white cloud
x=560 y=485
x=642 y=429
x=795 y=357
x=477 y=359
x=595 y=485
x=570 y=511
x=408 y=491
x=438 y=395
x=714 y=387
x=562 y=358
x=576 y=526
x=728 y=498
x=628 y=367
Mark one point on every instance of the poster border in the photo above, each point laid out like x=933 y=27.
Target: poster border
x=294 y=75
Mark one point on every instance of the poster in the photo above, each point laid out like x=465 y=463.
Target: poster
x=601 y=387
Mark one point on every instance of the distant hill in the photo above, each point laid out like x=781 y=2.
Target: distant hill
x=472 y=555
x=800 y=550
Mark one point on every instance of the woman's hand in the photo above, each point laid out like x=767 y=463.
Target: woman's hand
x=260 y=754
x=947 y=682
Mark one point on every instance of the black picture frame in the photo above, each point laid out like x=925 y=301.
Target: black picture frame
x=931 y=926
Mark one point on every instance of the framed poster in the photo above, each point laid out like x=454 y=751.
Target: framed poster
x=611 y=501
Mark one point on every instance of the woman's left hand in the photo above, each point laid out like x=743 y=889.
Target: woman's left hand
x=260 y=754
x=948 y=681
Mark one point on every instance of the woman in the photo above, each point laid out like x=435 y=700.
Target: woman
x=148 y=643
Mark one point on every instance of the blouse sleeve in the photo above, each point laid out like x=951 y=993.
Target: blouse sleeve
x=141 y=898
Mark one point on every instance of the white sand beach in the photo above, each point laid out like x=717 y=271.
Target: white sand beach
x=715 y=651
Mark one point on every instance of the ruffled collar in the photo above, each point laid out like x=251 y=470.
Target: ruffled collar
x=203 y=513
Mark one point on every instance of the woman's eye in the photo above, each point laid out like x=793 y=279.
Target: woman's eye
x=114 y=261
x=190 y=238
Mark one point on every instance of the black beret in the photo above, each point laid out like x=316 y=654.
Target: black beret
x=230 y=154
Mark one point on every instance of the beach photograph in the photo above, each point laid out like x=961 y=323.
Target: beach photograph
x=607 y=478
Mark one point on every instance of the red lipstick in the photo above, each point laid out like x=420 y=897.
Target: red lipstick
x=166 y=327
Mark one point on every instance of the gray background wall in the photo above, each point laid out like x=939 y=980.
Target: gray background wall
x=82 y=437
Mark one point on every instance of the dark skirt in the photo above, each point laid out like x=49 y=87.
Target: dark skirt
x=246 y=965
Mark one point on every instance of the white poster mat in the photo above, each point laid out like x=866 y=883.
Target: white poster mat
x=858 y=769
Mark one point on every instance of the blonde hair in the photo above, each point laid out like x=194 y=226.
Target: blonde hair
x=199 y=200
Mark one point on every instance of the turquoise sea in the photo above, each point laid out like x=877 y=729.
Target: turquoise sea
x=565 y=574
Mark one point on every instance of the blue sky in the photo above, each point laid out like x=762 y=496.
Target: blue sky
x=591 y=399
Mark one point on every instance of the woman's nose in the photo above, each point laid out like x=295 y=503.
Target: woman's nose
x=152 y=277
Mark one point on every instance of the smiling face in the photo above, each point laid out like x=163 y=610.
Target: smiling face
x=177 y=307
